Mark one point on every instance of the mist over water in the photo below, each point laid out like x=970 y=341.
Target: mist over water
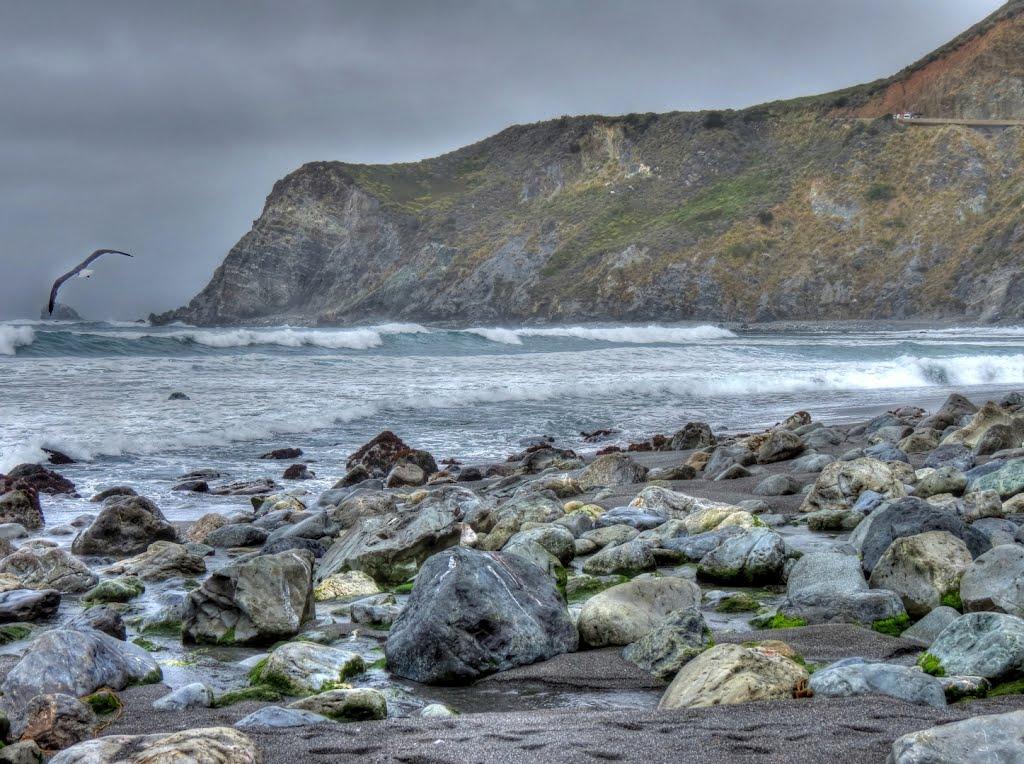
x=99 y=391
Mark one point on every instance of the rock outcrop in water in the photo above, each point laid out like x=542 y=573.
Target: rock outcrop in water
x=808 y=209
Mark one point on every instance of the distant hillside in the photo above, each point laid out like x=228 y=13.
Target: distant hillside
x=819 y=207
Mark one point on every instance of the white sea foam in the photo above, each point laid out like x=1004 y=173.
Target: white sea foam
x=14 y=337
x=639 y=335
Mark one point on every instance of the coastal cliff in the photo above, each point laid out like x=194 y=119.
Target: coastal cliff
x=822 y=207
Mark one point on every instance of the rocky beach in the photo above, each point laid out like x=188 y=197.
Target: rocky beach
x=808 y=591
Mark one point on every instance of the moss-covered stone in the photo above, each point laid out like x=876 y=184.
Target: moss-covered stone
x=738 y=602
x=931 y=665
x=122 y=589
x=104 y=702
x=892 y=626
x=261 y=693
x=780 y=621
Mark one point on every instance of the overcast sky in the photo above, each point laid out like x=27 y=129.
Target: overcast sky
x=159 y=127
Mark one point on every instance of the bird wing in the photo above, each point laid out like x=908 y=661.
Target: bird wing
x=81 y=266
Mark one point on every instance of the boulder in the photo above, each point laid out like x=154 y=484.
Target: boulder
x=694 y=548
x=270 y=718
x=855 y=676
x=194 y=695
x=391 y=546
x=928 y=628
x=993 y=739
x=162 y=560
x=754 y=557
x=73 y=662
x=623 y=559
x=205 y=525
x=256 y=600
x=56 y=721
x=941 y=480
x=1007 y=480
x=730 y=673
x=952 y=455
x=236 y=535
x=988 y=416
x=995 y=581
x=726 y=456
x=680 y=637
x=21 y=506
x=923 y=570
x=553 y=539
x=114 y=590
x=304 y=668
x=909 y=517
x=377 y=457
x=840 y=484
x=405 y=473
x=48 y=568
x=778 y=485
x=298 y=472
x=212 y=744
x=828 y=587
x=990 y=645
x=354 y=704
x=635 y=517
x=28 y=604
x=254 y=488
x=37 y=478
x=472 y=613
x=283 y=454
x=348 y=585
x=780 y=445
x=125 y=527
x=611 y=470
x=101 y=618
x=692 y=435
x=622 y=614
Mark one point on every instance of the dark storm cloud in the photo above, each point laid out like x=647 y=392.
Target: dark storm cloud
x=160 y=127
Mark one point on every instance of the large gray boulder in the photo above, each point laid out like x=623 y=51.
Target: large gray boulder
x=472 y=613
x=124 y=528
x=622 y=614
x=257 y=600
x=995 y=581
x=928 y=628
x=855 y=676
x=981 y=644
x=162 y=560
x=909 y=517
x=222 y=745
x=611 y=470
x=622 y=559
x=840 y=484
x=390 y=547
x=49 y=568
x=74 y=662
x=753 y=557
x=922 y=570
x=1007 y=480
x=992 y=739
x=682 y=636
x=828 y=587
x=780 y=445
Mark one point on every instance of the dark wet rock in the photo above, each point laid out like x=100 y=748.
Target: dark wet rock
x=754 y=557
x=21 y=506
x=1000 y=736
x=37 y=477
x=780 y=445
x=283 y=453
x=622 y=614
x=125 y=527
x=257 y=600
x=55 y=457
x=298 y=472
x=855 y=676
x=391 y=546
x=314 y=546
x=28 y=604
x=117 y=490
x=380 y=455
x=724 y=457
x=56 y=721
x=995 y=581
x=886 y=452
x=192 y=486
x=693 y=435
x=909 y=517
x=235 y=535
x=100 y=618
x=48 y=568
x=178 y=396
x=951 y=455
x=472 y=613
x=989 y=645
x=733 y=472
x=828 y=587
x=664 y=650
x=75 y=663
x=255 y=487
x=612 y=470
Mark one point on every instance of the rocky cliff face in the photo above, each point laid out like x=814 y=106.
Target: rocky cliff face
x=816 y=208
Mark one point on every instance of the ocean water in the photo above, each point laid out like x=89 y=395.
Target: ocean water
x=99 y=391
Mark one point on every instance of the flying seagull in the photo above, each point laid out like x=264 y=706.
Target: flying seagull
x=81 y=270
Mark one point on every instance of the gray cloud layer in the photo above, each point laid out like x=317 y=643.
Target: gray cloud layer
x=160 y=127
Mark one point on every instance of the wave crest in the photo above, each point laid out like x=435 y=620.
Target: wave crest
x=14 y=337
